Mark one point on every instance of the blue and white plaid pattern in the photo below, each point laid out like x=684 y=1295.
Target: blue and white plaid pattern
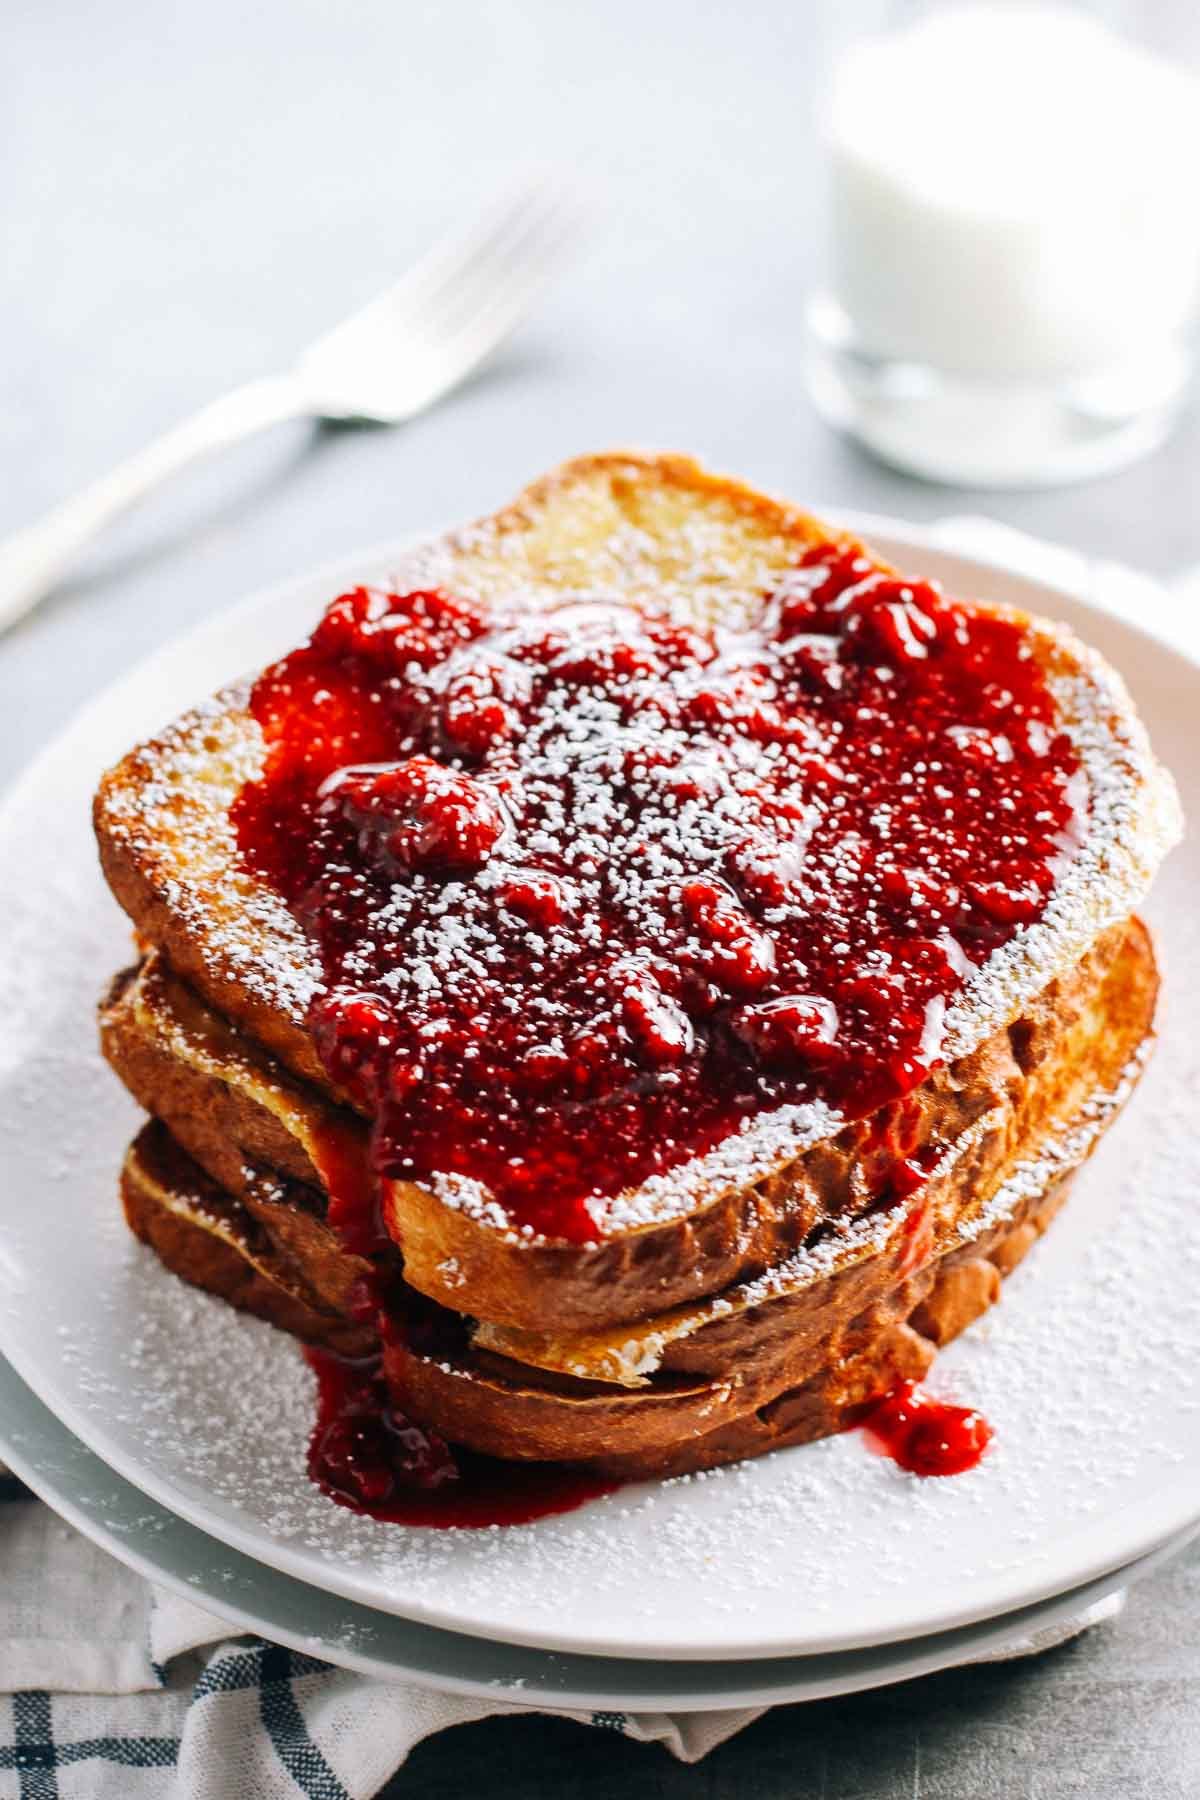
x=113 y=1690
x=46 y=1755
x=36 y=1757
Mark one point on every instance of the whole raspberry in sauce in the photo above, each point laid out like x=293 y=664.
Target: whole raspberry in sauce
x=927 y=1436
x=591 y=887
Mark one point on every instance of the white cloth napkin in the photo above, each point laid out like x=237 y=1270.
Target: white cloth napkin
x=112 y=1689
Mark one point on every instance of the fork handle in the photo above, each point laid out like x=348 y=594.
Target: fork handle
x=32 y=559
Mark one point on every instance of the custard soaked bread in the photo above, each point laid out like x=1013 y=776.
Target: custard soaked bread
x=655 y=892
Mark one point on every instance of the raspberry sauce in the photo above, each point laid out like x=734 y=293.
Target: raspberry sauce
x=367 y=1456
x=591 y=887
x=343 y=1164
x=927 y=1436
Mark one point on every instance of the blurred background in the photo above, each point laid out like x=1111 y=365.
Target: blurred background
x=191 y=192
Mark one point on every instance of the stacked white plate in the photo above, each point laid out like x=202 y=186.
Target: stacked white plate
x=173 y=1430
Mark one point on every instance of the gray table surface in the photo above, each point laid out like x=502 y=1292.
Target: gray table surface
x=190 y=192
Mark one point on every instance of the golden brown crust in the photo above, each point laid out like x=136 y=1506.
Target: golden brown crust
x=225 y=1098
x=889 y=1350
x=205 y=1111
x=251 y=1128
x=675 y=1430
x=168 y=853
x=214 y=1241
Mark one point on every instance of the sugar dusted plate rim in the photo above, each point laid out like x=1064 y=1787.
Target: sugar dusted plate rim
x=166 y=1550
x=813 y=1551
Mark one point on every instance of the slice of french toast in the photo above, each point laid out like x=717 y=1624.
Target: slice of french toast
x=219 y=1242
x=655 y=531
x=793 y=1357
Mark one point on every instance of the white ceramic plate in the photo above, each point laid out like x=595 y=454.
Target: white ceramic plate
x=161 y=1546
x=1088 y=1370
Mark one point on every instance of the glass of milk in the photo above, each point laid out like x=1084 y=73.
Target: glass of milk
x=1014 y=250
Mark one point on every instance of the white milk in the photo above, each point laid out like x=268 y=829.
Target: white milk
x=1015 y=199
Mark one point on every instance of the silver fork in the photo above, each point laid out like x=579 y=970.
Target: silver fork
x=380 y=366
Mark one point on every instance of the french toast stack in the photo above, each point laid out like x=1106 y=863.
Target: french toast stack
x=654 y=1067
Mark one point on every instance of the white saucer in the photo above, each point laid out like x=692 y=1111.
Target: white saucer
x=255 y=1598
x=1088 y=1370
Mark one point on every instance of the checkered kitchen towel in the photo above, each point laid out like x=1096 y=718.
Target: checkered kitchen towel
x=113 y=1690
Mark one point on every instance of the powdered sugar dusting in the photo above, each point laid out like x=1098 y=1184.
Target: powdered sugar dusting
x=1133 y=820
x=172 y=820
x=1087 y=1369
